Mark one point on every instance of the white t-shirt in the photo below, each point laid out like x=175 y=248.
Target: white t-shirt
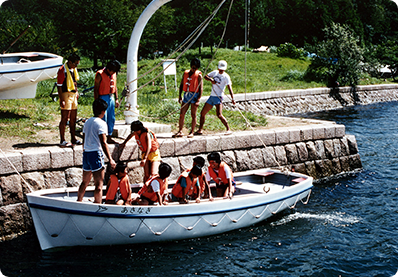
x=155 y=185
x=94 y=127
x=227 y=173
x=222 y=80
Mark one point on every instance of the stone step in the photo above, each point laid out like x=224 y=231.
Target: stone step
x=122 y=130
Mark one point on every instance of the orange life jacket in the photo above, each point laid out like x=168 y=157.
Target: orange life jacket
x=191 y=83
x=220 y=178
x=142 y=144
x=108 y=83
x=115 y=184
x=191 y=188
x=147 y=190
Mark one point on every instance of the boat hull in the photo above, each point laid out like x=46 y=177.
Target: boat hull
x=62 y=223
x=20 y=73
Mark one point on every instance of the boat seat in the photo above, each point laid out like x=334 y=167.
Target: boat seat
x=298 y=180
x=264 y=174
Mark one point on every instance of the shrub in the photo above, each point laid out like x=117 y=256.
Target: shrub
x=290 y=51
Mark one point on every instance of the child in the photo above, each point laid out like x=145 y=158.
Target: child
x=187 y=186
x=205 y=190
x=154 y=188
x=119 y=180
x=149 y=147
x=221 y=173
x=94 y=148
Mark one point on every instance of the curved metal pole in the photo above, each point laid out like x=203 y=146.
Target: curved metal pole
x=132 y=113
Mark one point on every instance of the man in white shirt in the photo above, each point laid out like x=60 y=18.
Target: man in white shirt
x=219 y=79
x=95 y=132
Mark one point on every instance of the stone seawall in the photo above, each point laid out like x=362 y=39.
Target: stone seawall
x=316 y=148
x=300 y=101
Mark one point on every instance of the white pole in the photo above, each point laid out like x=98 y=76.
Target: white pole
x=132 y=113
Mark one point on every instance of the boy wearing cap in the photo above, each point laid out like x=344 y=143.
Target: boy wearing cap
x=219 y=79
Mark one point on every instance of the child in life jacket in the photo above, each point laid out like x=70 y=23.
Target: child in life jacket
x=153 y=190
x=149 y=146
x=205 y=191
x=221 y=173
x=187 y=186
x=119 y=190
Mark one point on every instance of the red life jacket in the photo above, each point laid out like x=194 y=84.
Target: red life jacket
x=115 y=184
x=108 y=83
x=191 y=83
x=142 y=144
x=220 y=178
x=191 y=188
x=147 y=190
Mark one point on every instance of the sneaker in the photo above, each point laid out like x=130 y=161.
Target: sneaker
x=77 y=142
x=65 y=144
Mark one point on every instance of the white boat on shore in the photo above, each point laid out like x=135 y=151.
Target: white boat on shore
x=20 y=73
x=61 y=221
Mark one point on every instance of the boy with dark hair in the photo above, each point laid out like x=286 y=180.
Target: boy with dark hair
x=94 y=148
x=67 y=78
x=205 y=190
x=106 y=89
x=119 y=190
x=187 y=186
x=154 y=189
x=221 y=173
x=192 y=85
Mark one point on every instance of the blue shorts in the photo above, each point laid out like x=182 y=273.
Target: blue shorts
x=214 y=100
x=93 y=161
x=190 y=97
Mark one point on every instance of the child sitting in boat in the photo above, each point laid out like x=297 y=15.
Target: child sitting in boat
x=187 y=186
x=149 y=147
x=119 y=190
x=205 y=191
x=221 y=173
x=153 y=190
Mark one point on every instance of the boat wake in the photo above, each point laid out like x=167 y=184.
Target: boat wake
x=336 y=219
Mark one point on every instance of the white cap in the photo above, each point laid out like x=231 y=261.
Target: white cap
x=222 y=65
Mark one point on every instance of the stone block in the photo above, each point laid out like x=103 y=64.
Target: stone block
x=181 y=146
x=186 y=162
x=329 y=149
x=345 y=150
x=78 y=156
x=15 y=158
x=330 y=131
x=166 y=148
x=130 y=152
x=311 y=169
x=136 y=172
x=337 y=147
x=352 y=144
x=345 y=164
x=11 y=189
x=355 y=161
x=35 y=180
x=295 y=135
x=54 y=179
x=336 y=167
x=228 y=142
x=306 y=133
x=242 y=160
x=229 y=158
x=268 y=137
x=213 y=144
x=256 y=158
x=280 y=155
x=175 y=166
x=300 y=168
x=244 y=140
x=74 y=176
x=340 y=130
x=312 y=153
x=320 y=150
x=302 y=151
x=269 y=157
x=282 y=136
x=34 y=159
x=197 y=145
x=15 y=219
x=318 y=132
x=291 y=153
x=61 y=157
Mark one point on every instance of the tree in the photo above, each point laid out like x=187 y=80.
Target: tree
x=338 y=58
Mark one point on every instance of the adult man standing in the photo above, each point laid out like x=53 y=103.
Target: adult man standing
x=219 y=79
x=67 y=78
x=105 y=88
x=94 y=148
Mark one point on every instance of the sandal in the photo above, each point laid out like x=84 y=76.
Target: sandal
x=190 y=135
x=197 y=133
x=178 y=135
x=77 y=142
x=65 y=144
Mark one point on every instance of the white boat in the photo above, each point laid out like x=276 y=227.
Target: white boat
x=61 y=221
x=20 y=73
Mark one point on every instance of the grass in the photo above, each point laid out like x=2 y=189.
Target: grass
x=264 y=72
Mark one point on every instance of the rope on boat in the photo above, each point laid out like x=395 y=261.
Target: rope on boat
x=23 y=74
